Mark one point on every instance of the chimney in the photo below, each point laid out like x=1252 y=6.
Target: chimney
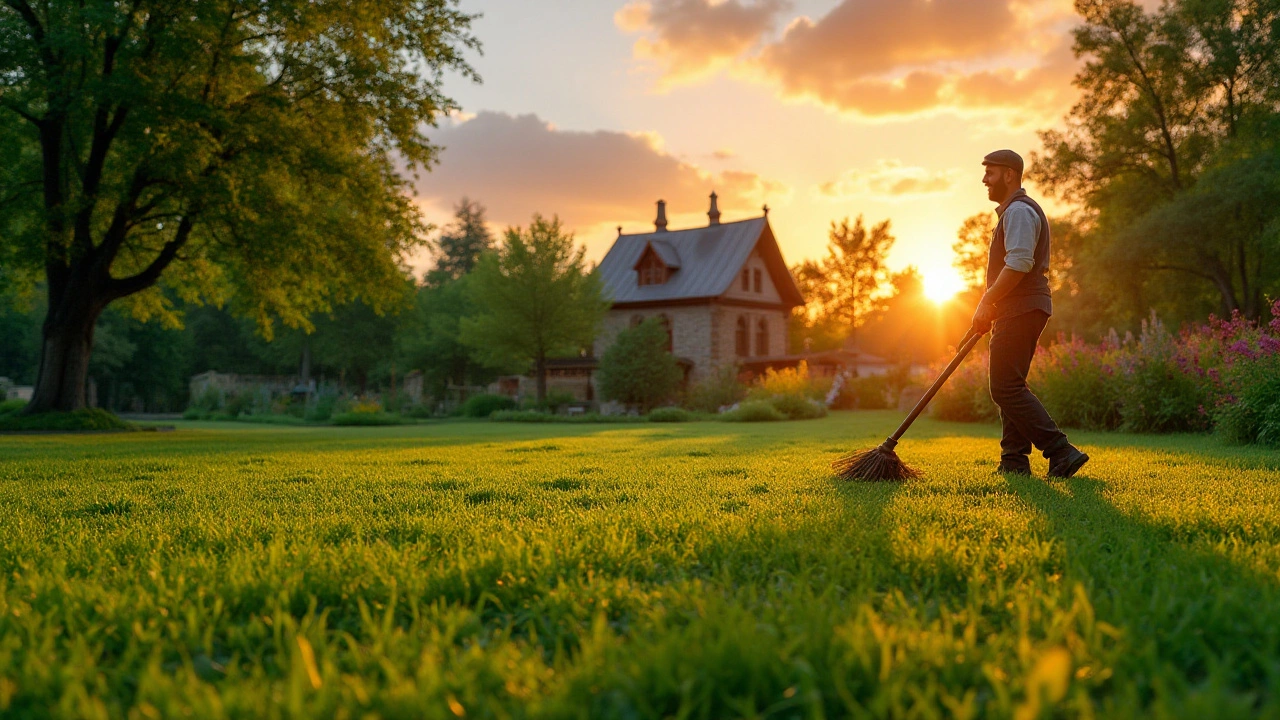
x=661 y=223
x=714 y=212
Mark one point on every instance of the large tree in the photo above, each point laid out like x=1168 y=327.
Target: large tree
x=535 y=298
x=847 y=286
x=247 y=150
x=1178 y=109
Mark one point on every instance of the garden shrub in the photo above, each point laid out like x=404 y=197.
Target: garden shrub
x=870 y=392
x=237 y=403
x=11 y=407
x=672 y=414
x=719 y=389
x=420 y=411
x=754 y=411
x=636 y=369
x=798 y=407
x=484 y=405
x=788 y=381
x=322 y=407
x=76 y=420
x=534 y=416
x=270 y=419
x=368 y=419
x=552 y=403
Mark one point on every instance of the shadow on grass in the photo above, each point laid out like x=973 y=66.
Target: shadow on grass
x=1194 y=621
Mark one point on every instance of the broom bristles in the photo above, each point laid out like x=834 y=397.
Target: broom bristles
x=878 y=463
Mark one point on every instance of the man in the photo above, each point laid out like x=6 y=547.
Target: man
x=1015 y=308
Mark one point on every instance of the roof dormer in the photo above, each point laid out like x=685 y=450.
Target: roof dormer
x=656 y=264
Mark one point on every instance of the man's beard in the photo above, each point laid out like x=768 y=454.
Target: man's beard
x=997 y=190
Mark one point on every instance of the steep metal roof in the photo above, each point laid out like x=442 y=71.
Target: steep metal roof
x=669 y=256
x=709 y=258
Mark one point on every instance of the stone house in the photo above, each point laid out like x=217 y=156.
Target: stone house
x=723 y=290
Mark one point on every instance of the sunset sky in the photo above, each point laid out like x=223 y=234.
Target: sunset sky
x=823 y=109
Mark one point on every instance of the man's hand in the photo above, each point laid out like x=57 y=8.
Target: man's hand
x=984 y=316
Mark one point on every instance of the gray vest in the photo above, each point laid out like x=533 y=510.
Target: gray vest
x=1032 y=292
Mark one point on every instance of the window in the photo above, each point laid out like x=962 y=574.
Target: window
x=762 y=337
x=746 y=279
x=666 y=325
x=636 y=320
x=756 y=273
x=651 y=270
x=742 y=339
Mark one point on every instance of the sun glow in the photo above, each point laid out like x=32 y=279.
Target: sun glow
x=942 y=284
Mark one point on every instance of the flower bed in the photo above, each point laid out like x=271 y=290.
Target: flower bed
x=1222 y=376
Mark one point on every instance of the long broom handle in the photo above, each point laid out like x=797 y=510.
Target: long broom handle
x=971 y=338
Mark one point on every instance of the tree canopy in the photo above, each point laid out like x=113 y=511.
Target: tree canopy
x=534 y=298
x=1171 y=151
x=848 y=285
x=223 y=151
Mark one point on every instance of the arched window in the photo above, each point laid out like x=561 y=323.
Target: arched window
x=666 y=325
x=762 y=337
x=742 y=339
x=746 y=279
x=756 y=275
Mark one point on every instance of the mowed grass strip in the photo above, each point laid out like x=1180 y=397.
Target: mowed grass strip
x=696 y=570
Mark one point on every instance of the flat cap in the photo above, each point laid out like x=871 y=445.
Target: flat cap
x=1004 y=158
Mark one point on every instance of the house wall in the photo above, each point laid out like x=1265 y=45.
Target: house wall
x=768 y=291
x=703 y=334
x=727 y=326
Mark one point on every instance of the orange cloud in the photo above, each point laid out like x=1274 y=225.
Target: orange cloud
x=692 y=38
x=883 y=57
x=518 y=165
x=889 y=180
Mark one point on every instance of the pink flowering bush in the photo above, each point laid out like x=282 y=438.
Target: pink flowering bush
x=1224 y=375
x=1248 y=407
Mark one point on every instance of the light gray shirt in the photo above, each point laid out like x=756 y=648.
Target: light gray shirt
x=1021 y=233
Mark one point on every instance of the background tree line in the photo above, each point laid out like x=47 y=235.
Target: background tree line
x=466 y=321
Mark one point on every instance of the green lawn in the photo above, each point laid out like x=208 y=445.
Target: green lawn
x=702 y=570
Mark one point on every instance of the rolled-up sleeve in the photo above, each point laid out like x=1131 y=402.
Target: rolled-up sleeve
x=1021 y=232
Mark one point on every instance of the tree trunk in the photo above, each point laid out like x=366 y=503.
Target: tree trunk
x=540 y=372
x=64 y=357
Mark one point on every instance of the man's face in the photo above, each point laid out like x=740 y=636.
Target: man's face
x=996 y=178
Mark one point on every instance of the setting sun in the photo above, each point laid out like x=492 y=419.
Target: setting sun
x=942 y=284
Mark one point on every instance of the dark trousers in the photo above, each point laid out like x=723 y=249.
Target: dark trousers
x=1023 y=418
